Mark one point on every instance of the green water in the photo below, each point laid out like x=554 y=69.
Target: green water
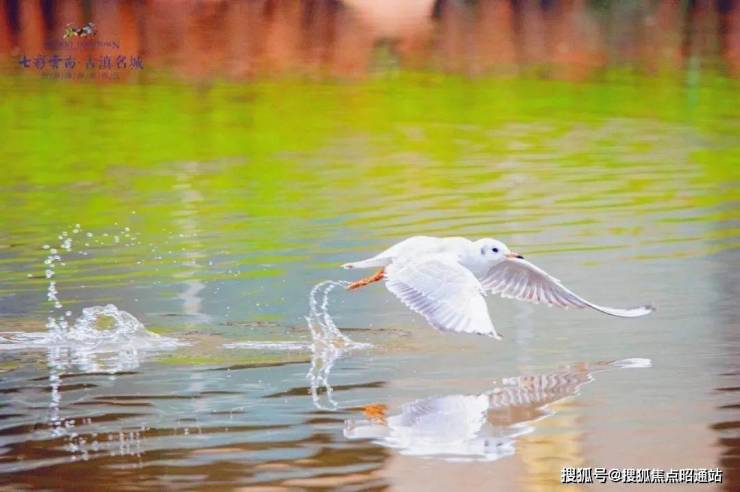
x=269 y=171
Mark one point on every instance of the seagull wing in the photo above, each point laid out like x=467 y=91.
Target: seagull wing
x=522 y=280
x=447 y=294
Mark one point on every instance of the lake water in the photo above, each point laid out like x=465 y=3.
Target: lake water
x=208 y=209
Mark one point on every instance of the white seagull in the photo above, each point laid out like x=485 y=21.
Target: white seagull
x=445 y=279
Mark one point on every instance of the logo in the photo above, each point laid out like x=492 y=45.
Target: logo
x=66 y=61
x=86 y=31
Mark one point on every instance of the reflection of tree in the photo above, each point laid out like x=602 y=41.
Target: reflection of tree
x=242 y=39
x=731 y=43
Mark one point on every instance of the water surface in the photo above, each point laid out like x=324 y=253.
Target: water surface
x=208 y=208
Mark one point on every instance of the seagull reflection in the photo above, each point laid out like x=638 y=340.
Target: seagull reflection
x=480 y=426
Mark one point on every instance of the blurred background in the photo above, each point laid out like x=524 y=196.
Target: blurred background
x=240 y=40
x=203 y=164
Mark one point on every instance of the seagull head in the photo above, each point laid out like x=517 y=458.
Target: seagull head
x=494 y=251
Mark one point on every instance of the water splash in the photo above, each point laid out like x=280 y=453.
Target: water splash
x=329 y=344
x=102 y=338
x=319 y=320
x=279 y=346
x=107 y=327
x=58 y=319
x=50 y=263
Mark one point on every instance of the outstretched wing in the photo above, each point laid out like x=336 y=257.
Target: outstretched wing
x=447 y=294
x=520 y=279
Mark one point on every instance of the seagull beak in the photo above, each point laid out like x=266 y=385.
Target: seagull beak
x=514 y=256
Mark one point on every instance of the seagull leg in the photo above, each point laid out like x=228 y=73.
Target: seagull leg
x=376 y=412
x=379 y=275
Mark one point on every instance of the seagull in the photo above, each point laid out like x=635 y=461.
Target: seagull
x=445 y=280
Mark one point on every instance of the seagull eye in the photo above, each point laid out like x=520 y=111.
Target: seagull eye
x=495 y=250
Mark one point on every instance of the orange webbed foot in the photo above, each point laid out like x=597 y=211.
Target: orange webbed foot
x=379 y=275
